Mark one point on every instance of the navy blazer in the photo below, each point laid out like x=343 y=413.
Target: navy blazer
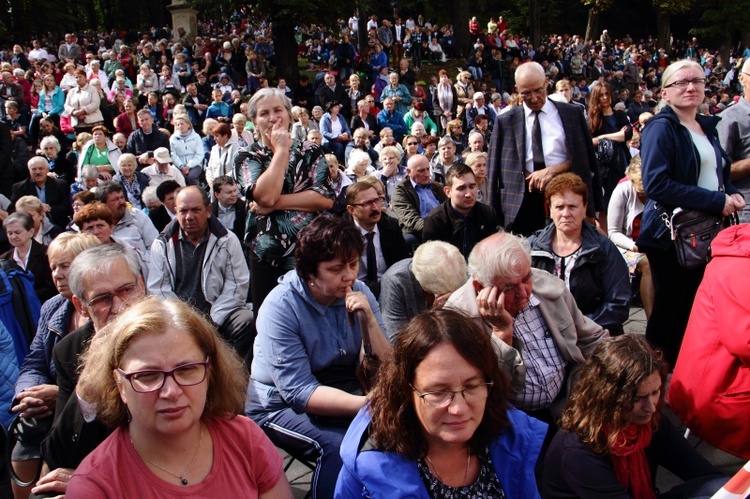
x=507 y=159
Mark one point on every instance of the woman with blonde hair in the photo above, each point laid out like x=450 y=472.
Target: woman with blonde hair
x=683 y=166
x=160 y=374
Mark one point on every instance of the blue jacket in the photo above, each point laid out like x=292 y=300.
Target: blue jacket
x=54 y=324
x=375 y=474
x=599 y=281
x=8 y=375
x=393 y=121
x=670 y=174
x=58 y=102
x=326 y=127
x=298 y=337
x=377 y=61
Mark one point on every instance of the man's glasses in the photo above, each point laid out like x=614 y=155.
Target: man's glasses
x=151 y=381
x=372 y=203
x=104 y=301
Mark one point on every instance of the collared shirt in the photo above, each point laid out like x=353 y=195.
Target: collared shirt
x=41 y=192
x=427 y=199
x=17 y=258
x=226 y=216
x=553 y=136
x=545 y=365
x=382 y=264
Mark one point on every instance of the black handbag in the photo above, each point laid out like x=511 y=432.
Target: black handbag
x=692 y=232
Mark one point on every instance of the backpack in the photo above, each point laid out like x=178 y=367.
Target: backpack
x=19 y=306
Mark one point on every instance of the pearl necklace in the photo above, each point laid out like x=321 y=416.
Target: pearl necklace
x=466 y=473
x=181 y=476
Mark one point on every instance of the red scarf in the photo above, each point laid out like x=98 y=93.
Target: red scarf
x=629 y=459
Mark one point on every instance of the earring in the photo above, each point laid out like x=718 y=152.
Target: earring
x=311 y=284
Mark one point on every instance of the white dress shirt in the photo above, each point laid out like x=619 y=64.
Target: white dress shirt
x=553 y=136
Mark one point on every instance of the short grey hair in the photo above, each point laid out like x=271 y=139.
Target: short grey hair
x=263 y=94
x=474 y=134
x=90 y=172
x=50 y=140
x=149 y=195
x=446 y=277
x=20 y=217
x=98 y=261
x=498 y=257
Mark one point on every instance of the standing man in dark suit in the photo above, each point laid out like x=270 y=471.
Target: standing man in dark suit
x=54 y=193
x=531 y=145
x=227 y=206
x=384 y=244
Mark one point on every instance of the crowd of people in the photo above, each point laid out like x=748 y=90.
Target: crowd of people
x=214 y=251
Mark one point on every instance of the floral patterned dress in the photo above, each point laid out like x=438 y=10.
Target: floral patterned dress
x=273 y=237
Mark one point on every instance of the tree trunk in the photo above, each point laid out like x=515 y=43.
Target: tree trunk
x=725 y=48
x=535 y=23
x=663 y=31
x=461 y=18
x=285 y=48
x=592 y=27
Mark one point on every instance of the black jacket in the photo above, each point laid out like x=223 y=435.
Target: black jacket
x=71 y=438
x=446 y=224
x=391 y=243
x=240 y=214
x=57 y=192
x=159 y=217
x=140 y=142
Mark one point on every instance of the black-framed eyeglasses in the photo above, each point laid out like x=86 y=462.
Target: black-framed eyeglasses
x=698 y=82
x=104 y=301
x=442 y=399
x=412 y=143
x=375 y=202
x=152 y=380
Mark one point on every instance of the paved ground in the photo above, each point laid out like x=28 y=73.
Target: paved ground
x=299 y=475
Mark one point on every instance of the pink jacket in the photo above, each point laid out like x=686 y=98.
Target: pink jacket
x=710 y=388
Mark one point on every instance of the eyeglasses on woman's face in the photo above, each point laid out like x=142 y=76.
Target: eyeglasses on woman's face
x=152 y=380
x=442 y=399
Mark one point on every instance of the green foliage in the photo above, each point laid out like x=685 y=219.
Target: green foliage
x=598 y=6
x=720 y=17
x=518 y=16
x=672 y=7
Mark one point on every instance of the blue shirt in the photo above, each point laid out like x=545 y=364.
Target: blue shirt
x=298 y=337
x=427 y=199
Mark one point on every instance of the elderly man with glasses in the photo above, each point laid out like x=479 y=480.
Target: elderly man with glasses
x=533 y=143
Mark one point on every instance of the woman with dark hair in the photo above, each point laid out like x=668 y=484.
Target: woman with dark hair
x=304 y=391
x=335 y=130
x=613 y=432
x=438 y=421
x=286 y=183
x=606 y=123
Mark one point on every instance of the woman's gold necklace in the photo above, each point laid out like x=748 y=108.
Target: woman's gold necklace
x=466 y=473
x=181 y=476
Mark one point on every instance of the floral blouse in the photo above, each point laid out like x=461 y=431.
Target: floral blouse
x=486 y=485
x=273 y=237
